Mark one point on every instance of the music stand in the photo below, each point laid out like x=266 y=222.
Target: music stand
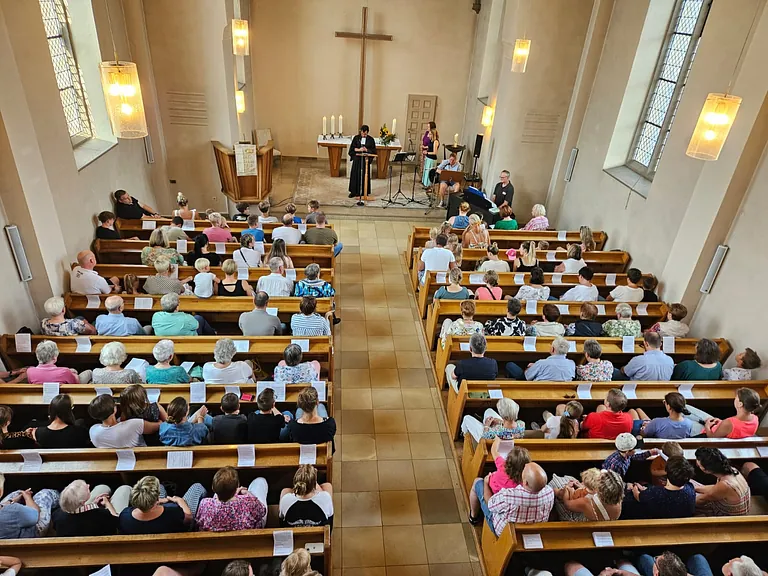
x=399 y=157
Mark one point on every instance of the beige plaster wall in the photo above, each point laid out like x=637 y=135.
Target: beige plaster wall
x=304 y=73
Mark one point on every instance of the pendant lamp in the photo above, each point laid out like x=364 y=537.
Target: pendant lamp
x=240 y=37
x=520 y=55
x=240 y=101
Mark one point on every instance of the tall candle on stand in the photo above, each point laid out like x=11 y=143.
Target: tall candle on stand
x=325 y=125
x=341 y=119
x=333 y=124
x=455 y=139
x=394 y=125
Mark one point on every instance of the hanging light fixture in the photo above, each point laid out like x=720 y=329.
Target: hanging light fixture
x=487 y=116
x=240 y=101
x=520 y=55
x=240 y=37
x=122 y=94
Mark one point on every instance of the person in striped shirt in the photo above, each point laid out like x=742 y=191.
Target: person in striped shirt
x=309 y=322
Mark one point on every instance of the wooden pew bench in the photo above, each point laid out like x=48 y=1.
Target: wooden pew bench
x=509 y=282
x=485 y=310
x=507 y=238
x=510 y=349
x=131 y=228
x=268 y=350
x=129 y=252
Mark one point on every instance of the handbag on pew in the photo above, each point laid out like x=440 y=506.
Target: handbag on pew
x=258 y=371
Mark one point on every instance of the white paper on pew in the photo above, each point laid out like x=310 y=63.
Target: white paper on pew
x=571 y=346
x=630 y=390
x=303 y=228
x=187 y=366
x=232 y=390
x=628 y=344
x=603 y=539
x=600 y=309
x=174 y=271
x=505 y=447
x=259 y=247
x=440 y=277
x=93 y=301
x=142 y=303
x=495 y=393
x=103 y=391
x=642 y=309
x=464 y=346
x=319 y=385
x=561 y=235
x=530 y=306
x=529 y=343
x=663 y=456
x=563 y=308
x=140 y=366
x=532 y=542
x=610 y=279
x=283 y=542
x=181 y=246
x=763 y=451
x=519 y=278
x=197 y=393
x=188 y=225
x=584 y=391
x=473 y=426
x=242 y=273
x=33 y=462
x=308 y=454
x=272 y=311
x=148 y=224
x=221 y=247
x=291 y=274
x=551 y=256
x=242 y=345
x=686 y=390
x=303 y=343
x=259 y=226
x=106 y=571
x=126 y=460
x=277 y=388
x=23 y=342
x=153 y=395
x=50 y=390
x=668 y=344
x=179 y=459
x=557 y=278
x=83 y=344
x=476 y=279
x=246 y=456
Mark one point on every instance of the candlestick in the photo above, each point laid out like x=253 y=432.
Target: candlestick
x=333 y=124
x=394 y=125
x=325 y=125
x=455 y=139
x=341 y=119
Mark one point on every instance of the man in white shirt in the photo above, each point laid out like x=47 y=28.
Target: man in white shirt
x=113 y=434
x=275 y=284
x=287 y=232
x=83 y=279
x=632 y=292
x=585 y=291
x=437 y=259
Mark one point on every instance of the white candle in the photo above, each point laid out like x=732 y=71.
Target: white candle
x=325 y=125
x=394 y=125
x=455 y=139
x=341 y=119
x=333 y=124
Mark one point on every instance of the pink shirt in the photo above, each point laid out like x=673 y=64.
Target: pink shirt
x=483 y=293
x=740 y=429
x=216 y=234
x=50 y=373
x=499 y=479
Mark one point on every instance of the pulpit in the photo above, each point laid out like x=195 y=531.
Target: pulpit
x=252 y=189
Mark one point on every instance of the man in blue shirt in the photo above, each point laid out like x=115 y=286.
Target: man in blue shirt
x=556 y=367
x=451 y=165
x=653 y=365
x=253 y=228
x=116 y=323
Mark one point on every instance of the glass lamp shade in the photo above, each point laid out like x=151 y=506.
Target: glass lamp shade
x=240 y=37
x=122 y=93
x=713 y=126
x=487 y=116
x=240 y=101
x=520 y=55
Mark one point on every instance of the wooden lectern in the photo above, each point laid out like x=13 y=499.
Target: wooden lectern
x=244 y=188
x=366 y=197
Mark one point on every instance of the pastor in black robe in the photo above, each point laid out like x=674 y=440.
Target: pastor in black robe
x=358 y=162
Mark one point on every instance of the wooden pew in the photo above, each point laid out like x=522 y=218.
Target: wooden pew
x=510 y=349
x=509 y=282
x=268 y=350
x=143 y=272
x=507 y=238
x=223 y=312
x=98 y=551
x=485 y=310
x=129 y=252
x=136 y=227
x=548 y=394
x=573 y=536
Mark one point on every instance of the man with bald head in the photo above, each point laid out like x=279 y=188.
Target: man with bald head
x=527 y=503
x=85 y=280
x=116 y=323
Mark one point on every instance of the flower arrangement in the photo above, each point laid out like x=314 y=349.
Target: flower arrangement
x=386 y=136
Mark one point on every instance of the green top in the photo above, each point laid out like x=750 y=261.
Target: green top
x=172 y=375
x=692 y=370
x=510 y=224
x=174 y=324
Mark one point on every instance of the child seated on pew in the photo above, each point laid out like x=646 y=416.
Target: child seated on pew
x=433 y=233
x=674 y=325
x=253 y=229
x=268 y=425
x=182 y=430
x=659 y=465
x=508 y=474
x=243 y=212
x=597 y=497
x=264 y=216
x=650 y=283
x=745 y=362
x=625 y=453
x=230 y=427
x=290 y=208
x=564 y=423
x=609 y=420
x=205 y=280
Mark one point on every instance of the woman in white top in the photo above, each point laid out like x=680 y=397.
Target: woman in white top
x=184 y=212
x=574 y=263
x=247 y=256
x=224 y=370
x=493 y=262
x=307 y=503
x=534 y=290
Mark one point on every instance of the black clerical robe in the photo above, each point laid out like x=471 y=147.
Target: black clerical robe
x=355 y=184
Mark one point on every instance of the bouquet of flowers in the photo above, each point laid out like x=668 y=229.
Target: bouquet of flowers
x=386 y=136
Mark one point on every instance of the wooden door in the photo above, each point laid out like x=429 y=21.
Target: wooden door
x=420 y=112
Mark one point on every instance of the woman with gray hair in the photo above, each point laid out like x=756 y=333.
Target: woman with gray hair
x=86 y=512
x=46 y=371
x=224 y=370
x=58 y=325
x=312 y=285
x=159 y=248
x=152 y=511
x=291 y=369
x=164 y=282
x=623 y=325
x=500 y=423
x=112 y=357
x=163 y=372
x=594 y=369
x=219 y=230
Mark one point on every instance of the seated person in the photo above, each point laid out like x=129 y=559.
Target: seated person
x=508 y=220
x=500 y=423
x=165 y=281
x=254 y=229
x=745 y=362
x=290 y=235
x=58 y=325
x=573 y=263
x=112 y=356
x=83 y=279
x=310 y=426
x=231 y=427
x=623 y=325
x=743 y=425
x=535 y=289
x=454 y=290
x=275 y=284
x=115 y=323
x=476 y=234
x=47 y=353
x=549 y=325
x=437 y=259
x=313 y=285
x=224 y=370
x=308 y=322
x=461 y=220
x=585 y=291
x=230 y=285
x=113 y=434
x=564 y=423
x=632 y=292
x=650 y=283
x=508 y=474
x=653 y=365
x=202 y=249
x=86 y=512
x=509 y=325
x=159 y=247
x=659 y=465
x=172 y=322
x=61 y=431
x=152 y=511
x=106 y=229
x=323 y=235
x=451 y=165
x=620 y=460
x=477 y=367
x=493 y=262
x=672 y=427
x=134 y=403
x=529 y=502
x=219 y=230
x=259 y=322
x=490 y=290
x=243 y=212
x=609 y=420
x=594 y=369
x=705 y=365
x=232 y=506
x=174 y=231
x=23 y=515
x=756 y=478
x=264 y=216
x=455 y=248
x=206 y=282
x=307 y=503
x=291 y=369
x=666 y=564
x=312 y=207
x=128 y=208
x=464 y=326
x=597 y=498
x=557 y=366
x=729 y=495
x=181 y=429
x=676 y=499
x=163 y=372
x=267 y=425
x=290 y=208
x=674 y=325
x=12 y=440
x=586 y=326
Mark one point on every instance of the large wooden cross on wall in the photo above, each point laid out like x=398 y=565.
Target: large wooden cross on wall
x=363 y=35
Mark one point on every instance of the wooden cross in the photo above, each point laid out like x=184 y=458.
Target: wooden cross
x=363 y=35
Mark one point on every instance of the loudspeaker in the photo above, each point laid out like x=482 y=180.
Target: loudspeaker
x=714 y=268
x=478 y=145
x=22 y=264
x=571 y=164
